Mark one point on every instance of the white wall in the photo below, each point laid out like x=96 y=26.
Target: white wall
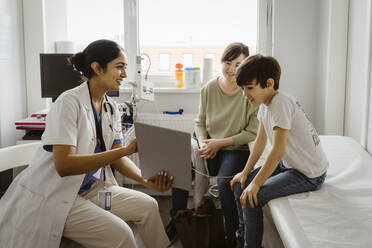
x=310 y=43
x=12 y=71
x=320 y=91
x=44 y=23
x=34 y=42
x=332 y=60
x=357 y=68
x=295 y=45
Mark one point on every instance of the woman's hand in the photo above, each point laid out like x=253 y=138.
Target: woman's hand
x=238 y=178
x=250 y=193
x=132 y=147
x=210 y=148
x=161 y=183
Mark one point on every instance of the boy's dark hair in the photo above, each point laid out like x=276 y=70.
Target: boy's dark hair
x=100 y=51
x=233 y=51
x=258 y=67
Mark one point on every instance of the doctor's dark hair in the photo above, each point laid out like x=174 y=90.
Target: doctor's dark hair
x=233 y=51
x=100 y=51
x=258 y=67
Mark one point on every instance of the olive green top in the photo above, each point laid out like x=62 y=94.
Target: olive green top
x=222 y=116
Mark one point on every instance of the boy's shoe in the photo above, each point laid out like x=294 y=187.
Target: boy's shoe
x=171 y=231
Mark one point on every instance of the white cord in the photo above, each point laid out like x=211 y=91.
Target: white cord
x=203 y=174
x=148 y=68
x=213 y=191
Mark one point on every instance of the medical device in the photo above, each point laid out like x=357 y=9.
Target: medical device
x=145 y=89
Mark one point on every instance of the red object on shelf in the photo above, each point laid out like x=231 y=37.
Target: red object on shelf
x=31 y=123
x=38 y=115
x=31 y=128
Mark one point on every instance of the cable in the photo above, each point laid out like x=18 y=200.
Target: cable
x=213 y=189
x=203 y=174
x=148 y=68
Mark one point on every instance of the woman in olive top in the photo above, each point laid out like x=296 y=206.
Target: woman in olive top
x=226 y=123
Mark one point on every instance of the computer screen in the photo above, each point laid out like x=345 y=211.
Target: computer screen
x=57 y=75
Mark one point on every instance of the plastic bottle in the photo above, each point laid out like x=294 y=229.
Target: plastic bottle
x=188 y=77
x=197 y=81
x=179 y=75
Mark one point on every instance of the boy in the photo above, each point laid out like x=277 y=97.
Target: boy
x=296 y=162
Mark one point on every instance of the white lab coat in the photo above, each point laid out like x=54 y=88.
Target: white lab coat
x=34 y=209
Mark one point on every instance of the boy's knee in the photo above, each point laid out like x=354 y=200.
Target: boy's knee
x=224 y=183
x=237 y=190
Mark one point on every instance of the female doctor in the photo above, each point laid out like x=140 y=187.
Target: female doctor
x=57 y=194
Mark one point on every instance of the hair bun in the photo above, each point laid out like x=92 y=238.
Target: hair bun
x=78 y=61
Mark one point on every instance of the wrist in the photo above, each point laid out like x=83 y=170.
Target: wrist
x=245 y=172
x=220 y=143
x=256 y=182
x=143 y=181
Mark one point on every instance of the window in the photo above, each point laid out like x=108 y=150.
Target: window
x=164 y=60
x=87 y=21
x=188 y=30
x=191 y=30
x=187 y=60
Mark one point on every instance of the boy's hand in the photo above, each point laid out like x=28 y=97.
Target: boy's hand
x=161 y=182
x=250 y=193
x=238 y=178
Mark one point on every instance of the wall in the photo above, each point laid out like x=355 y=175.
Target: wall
x=332 y=60
x=310 y=43
x=320 y=91
x=12 y=71
x=44 y=23
x=34 y=42
x=358 y=69
x=295 y=45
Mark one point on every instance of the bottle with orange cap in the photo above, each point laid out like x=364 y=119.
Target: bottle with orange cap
x=179 y=75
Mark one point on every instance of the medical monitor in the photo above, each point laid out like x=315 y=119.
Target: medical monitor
x=57 y=75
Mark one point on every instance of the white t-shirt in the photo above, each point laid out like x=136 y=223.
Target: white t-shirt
x=303 y=151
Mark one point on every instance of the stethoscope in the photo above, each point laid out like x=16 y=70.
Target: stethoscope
x=106 y=103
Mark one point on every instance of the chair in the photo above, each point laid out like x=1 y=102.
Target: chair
x=13 y=157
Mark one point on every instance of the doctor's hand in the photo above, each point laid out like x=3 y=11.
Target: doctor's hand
x=132 y=147
x=238 y=178
x=161 y=183
x=210 y=148
x=250 y=194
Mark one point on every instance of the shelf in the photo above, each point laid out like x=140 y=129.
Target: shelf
x=168 y=90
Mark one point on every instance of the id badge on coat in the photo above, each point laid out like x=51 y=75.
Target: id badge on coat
x=104 y=199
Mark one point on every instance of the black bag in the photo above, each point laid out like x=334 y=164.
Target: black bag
x=201 y=228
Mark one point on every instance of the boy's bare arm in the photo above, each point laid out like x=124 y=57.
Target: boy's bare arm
x=258 y=148
x=276 y=153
